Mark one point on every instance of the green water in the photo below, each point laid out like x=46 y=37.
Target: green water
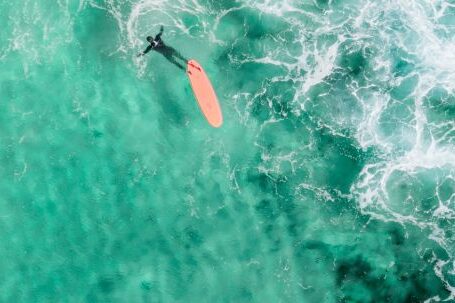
x=332 y=178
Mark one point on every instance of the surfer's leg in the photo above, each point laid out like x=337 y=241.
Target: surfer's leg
x=167 y=52
x=177 y=64
x=176 y=54
x=171 y=59
x=179 y=55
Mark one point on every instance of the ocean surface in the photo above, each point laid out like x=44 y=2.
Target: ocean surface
x=332 y=178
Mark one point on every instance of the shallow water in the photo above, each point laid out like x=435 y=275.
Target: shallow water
x=331 y=180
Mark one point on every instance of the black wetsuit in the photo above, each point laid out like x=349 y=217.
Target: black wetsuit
x=155 y=44
x=167 y=51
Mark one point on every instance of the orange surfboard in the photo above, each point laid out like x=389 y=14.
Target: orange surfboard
x=204 y=93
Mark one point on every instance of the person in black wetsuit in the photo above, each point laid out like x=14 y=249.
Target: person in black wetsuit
x=167 y=51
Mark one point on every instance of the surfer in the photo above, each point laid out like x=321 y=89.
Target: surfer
x=167 y=51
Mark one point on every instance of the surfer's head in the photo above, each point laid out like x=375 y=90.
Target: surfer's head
x=149 y=39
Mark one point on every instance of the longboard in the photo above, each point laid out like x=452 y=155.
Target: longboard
x=204 y=93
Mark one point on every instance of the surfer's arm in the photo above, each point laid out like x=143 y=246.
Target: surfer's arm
x=145 y=51
x=158 y=37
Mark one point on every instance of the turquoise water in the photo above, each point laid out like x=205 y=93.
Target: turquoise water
x=331 y=180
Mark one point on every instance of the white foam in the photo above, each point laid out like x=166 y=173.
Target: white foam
x=377 y=26
x=381 y=26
